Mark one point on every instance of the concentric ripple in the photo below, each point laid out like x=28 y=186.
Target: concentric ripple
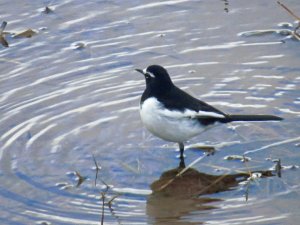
x=69 y=99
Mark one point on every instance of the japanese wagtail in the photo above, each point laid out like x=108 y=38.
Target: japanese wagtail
x=173 y=115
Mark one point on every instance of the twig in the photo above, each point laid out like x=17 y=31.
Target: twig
x=97 y=170
x=3 y=25
x=246 y=165
x=103 y=202
x=112 y=199
x=2 y=38
x=81 y=179
x=278 y=167
x=248 y=183
x=296 y=35
x=288 y=10
x=104 y=194
x=109 y=203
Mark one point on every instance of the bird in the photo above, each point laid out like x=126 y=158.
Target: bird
x=174 y=115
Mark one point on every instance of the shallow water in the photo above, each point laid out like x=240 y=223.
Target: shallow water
x=70 y=93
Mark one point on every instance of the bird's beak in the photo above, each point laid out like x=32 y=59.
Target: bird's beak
x=140 y=71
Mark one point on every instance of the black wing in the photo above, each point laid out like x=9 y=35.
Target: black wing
x=177 y=99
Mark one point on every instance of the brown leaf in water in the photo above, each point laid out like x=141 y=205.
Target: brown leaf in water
x=27 y=34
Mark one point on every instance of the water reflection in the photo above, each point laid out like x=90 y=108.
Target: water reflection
x=175 y=197
x=70 y=92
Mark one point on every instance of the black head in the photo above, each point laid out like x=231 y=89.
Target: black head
x=157 y=78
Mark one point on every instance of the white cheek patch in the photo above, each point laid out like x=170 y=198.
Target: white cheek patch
x=151 y=74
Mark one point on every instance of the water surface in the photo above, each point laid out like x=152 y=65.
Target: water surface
x=70 y=92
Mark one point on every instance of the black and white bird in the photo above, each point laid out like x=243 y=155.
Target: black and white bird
x=173 y=115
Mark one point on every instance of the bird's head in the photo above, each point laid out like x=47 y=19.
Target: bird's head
x=156 y=77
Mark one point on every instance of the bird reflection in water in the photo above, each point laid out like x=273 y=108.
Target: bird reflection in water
x=174 y=197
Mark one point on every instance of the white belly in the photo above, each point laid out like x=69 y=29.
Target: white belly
x=168 y=125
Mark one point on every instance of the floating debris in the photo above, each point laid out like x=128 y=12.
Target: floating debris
x=192 y=71
x=291 y=167
x=278 y=167
x=98 y=168
x=237 y=157
x=43 y=28
x=47 y=10
x=80 y=179
x=258 y=32
x=43 y=223
x=64 y=186
x=285 y=25
x=210 y=150
x=25 y=34
x=295 y=35
x=226 y=6
x=254 y=176
x=3 y=41
x=288 y=33
x=287 y=29
x=2 y=34
x=78 y=45
x=284 y=32
x=3 y=25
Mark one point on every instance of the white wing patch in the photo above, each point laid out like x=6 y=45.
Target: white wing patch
x=191 y=114
x=153 y=103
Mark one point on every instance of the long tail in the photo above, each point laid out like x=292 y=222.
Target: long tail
x=231 y=118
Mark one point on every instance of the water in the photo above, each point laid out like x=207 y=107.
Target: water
x=70 y=93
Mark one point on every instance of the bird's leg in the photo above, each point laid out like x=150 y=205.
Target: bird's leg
x=181 y=148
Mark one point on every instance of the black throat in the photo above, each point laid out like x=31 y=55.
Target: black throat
x=157 y=90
